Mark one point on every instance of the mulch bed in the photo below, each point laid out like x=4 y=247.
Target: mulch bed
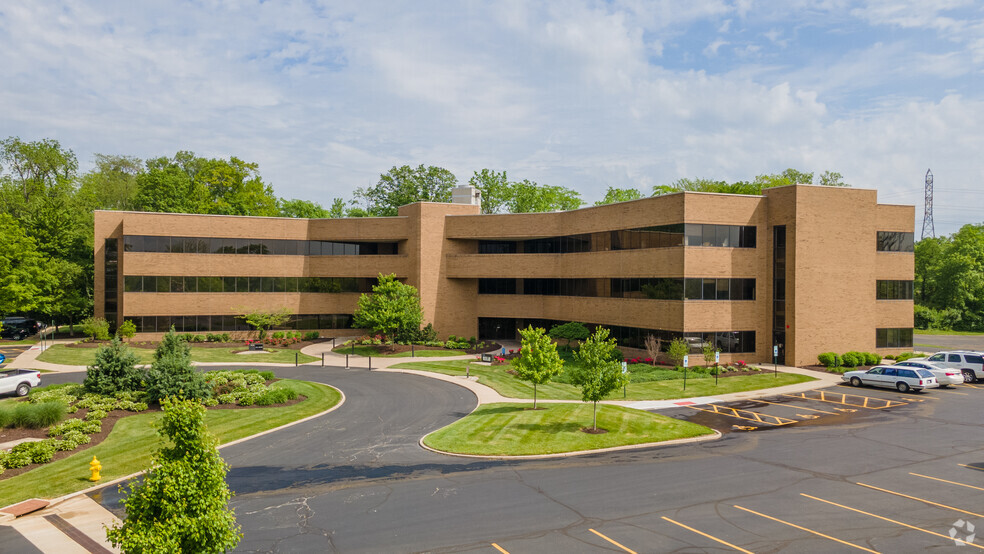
x=387 y=349
x=108 y=423
x=591 y=431
x=823 y=369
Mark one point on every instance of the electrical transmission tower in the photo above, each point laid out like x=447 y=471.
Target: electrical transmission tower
x=928 y=229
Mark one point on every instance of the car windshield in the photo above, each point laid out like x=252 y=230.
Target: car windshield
x=924 y=373
x=875 y=371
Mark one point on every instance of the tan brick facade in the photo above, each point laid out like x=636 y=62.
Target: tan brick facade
x=832 y=265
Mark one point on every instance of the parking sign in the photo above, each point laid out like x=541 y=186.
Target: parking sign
x=775 y=351
x=686 y=361
x=717 y=357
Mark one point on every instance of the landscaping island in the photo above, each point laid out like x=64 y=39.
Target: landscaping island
x=666 y=384
x=129 y=446
x=505 y=429
x=79 y=355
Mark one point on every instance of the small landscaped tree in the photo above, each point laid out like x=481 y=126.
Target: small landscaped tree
x=96 y=327
x=569 y=331
x=114 y=370
x=127 y=330
x=172 y=374
x=392 y=309
x=709 y=354
x=653 y=347
x=598 y=372
x=677 y=350
x=182 y=503
x=262 y=320
x=539 y=361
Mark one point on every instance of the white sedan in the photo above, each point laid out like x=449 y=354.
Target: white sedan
x=902 y=378
x=944 y=376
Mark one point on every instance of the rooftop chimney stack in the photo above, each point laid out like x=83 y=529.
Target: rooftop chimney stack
x=466 y=194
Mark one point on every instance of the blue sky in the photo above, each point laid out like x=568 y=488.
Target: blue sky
x=327 y=95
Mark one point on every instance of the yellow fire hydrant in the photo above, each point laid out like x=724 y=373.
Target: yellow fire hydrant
x=95 y=467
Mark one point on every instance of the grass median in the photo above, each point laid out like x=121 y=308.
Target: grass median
x=62 y=354
x=517 y=430
x=511 y=387
x=130 y=445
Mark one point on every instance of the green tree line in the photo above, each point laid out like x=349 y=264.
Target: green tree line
x=949 y=281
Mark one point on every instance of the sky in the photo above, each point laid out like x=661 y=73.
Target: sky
x=325 y=96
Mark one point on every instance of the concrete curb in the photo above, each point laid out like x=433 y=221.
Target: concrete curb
x=61 y=499
x=715 y=435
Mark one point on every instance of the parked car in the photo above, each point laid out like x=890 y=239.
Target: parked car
x=19 y=381
x=944 y=376
x=20 y=327
x=901 y=378
x=969 y=364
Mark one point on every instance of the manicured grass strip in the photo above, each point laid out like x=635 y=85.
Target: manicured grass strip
x=516 y=430
x=374 y=352
x=511 y=387
x=61 y=354
x=918 y=332
x=129 y=447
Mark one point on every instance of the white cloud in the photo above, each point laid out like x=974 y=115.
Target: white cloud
x=585 y=94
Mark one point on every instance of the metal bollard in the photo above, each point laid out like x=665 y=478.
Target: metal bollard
x=296 y=354
x=370 y=362
x=322 y=359
x=411 y=351
x=346 y=361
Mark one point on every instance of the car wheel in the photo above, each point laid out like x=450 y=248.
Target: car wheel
x=856 y=381
x=23 y=389
x=902 y=386
x=968 y=375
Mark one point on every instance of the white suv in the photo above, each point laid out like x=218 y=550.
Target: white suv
x=970 y=364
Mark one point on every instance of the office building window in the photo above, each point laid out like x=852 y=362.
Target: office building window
x=893 y=290
x=895 y=241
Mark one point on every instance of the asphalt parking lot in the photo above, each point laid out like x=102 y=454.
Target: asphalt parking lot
x=11 y=351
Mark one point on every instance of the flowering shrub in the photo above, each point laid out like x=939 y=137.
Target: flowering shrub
x=740 y=364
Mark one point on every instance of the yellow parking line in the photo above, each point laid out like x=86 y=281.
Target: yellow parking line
x=923 y=500
x=945 y=481
x=500 y=549
x=972 y=467
x=703 y=534
x=817 y=533
x=629 y=550
x=948 y=391
x=972 y=386
x=887 y=519
x=796 y=407
x=752 y=416
x=869 y=402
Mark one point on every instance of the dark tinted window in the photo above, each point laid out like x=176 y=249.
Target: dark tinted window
x=974 y=359
x=953 y=358
x=895 y=241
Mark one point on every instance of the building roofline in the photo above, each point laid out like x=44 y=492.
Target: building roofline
x=254 y=216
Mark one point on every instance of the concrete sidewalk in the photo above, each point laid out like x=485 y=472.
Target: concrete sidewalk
x=74 y=525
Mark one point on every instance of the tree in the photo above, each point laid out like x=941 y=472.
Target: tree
x=598 y=372
x=22 y=269
x=113 y=370
x=182 y=502
x=405 y=185
x=127 y=330
x=709 y=353
x=613 y=195
x=529 y=197
x=392 y=309
x=337 y=209
x=677 y=350
x=171 y=373
x=96 y=327
x=112 y=184
x=261 y=320
x=572 y=330
x=654 y=346
x=831 y=179
x=539 y=361
x=495 y=189
x=304 y=209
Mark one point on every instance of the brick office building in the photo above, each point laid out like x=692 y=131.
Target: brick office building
x=806 y=268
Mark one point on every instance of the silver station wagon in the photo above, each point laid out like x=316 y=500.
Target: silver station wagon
x=902 y=378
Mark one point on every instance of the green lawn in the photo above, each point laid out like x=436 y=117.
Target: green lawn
x=516 y=430
x=129 y=447
x=701 y=385
x=939 y=332
x=61 y=354
x=374 y=352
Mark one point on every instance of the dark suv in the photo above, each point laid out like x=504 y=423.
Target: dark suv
x=18 y=328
